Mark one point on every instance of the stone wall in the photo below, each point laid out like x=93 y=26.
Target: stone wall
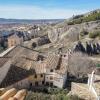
x=82 y=91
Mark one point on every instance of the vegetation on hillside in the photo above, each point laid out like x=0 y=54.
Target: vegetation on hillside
x=83 y=33
x=51 y=94
x=41 y=96
x=81 y=18
x=94 y=34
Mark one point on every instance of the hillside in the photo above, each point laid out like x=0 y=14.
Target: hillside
x=74 y=29
x=91 y=16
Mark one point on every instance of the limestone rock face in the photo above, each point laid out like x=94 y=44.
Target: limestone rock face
x=53 y=35
x=71 y=32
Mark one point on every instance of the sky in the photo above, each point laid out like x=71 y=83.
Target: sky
x=45 y=9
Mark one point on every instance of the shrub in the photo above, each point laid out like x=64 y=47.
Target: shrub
x=77 y=16
x=94 y=34
x=57 y=91
x=83 y=33
x=81 y=19
x=52 y=94
x=42 y=96
x=78 y=21
x=74 y=97
x=70 y=23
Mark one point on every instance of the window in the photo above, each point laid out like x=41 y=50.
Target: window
x=64 y=55
x=51 y=70
x=36 y=84
x=47 y=83
x=35 y=76
x=40 y=58
x=51 y=78
x=41 y=75
x=30 y=86
x=47 y=77
x=42 y=82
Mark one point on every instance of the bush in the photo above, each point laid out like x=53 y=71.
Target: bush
x=94 y=34
x=34 y=45
x=42 y=96
x=75 y=21
x=52 y=94
x=77 y=16
x=81 y=19
x=57 y=91
x=70 y=23
x=74 y=97
x=62 y=97
x=78 y=21
x=83 y=33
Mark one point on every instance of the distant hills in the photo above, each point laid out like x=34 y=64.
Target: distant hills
x=29 y=21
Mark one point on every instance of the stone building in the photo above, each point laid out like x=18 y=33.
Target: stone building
x=14 y=40
x=15 y=68
x=25 y=68
x=56 y=71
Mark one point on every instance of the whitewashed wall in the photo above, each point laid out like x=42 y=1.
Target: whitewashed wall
x=60 y=80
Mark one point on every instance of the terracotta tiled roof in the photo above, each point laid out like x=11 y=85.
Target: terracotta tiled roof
x=3 y=60
x=56 y=62
x=14 y=51
x=52 y=61
x=63 y=67
x=22 y=56
x=22 y=61
x=40 y=67
x=14 y=75
x=19 y=51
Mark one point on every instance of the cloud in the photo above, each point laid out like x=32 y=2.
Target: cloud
x=34 y=12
